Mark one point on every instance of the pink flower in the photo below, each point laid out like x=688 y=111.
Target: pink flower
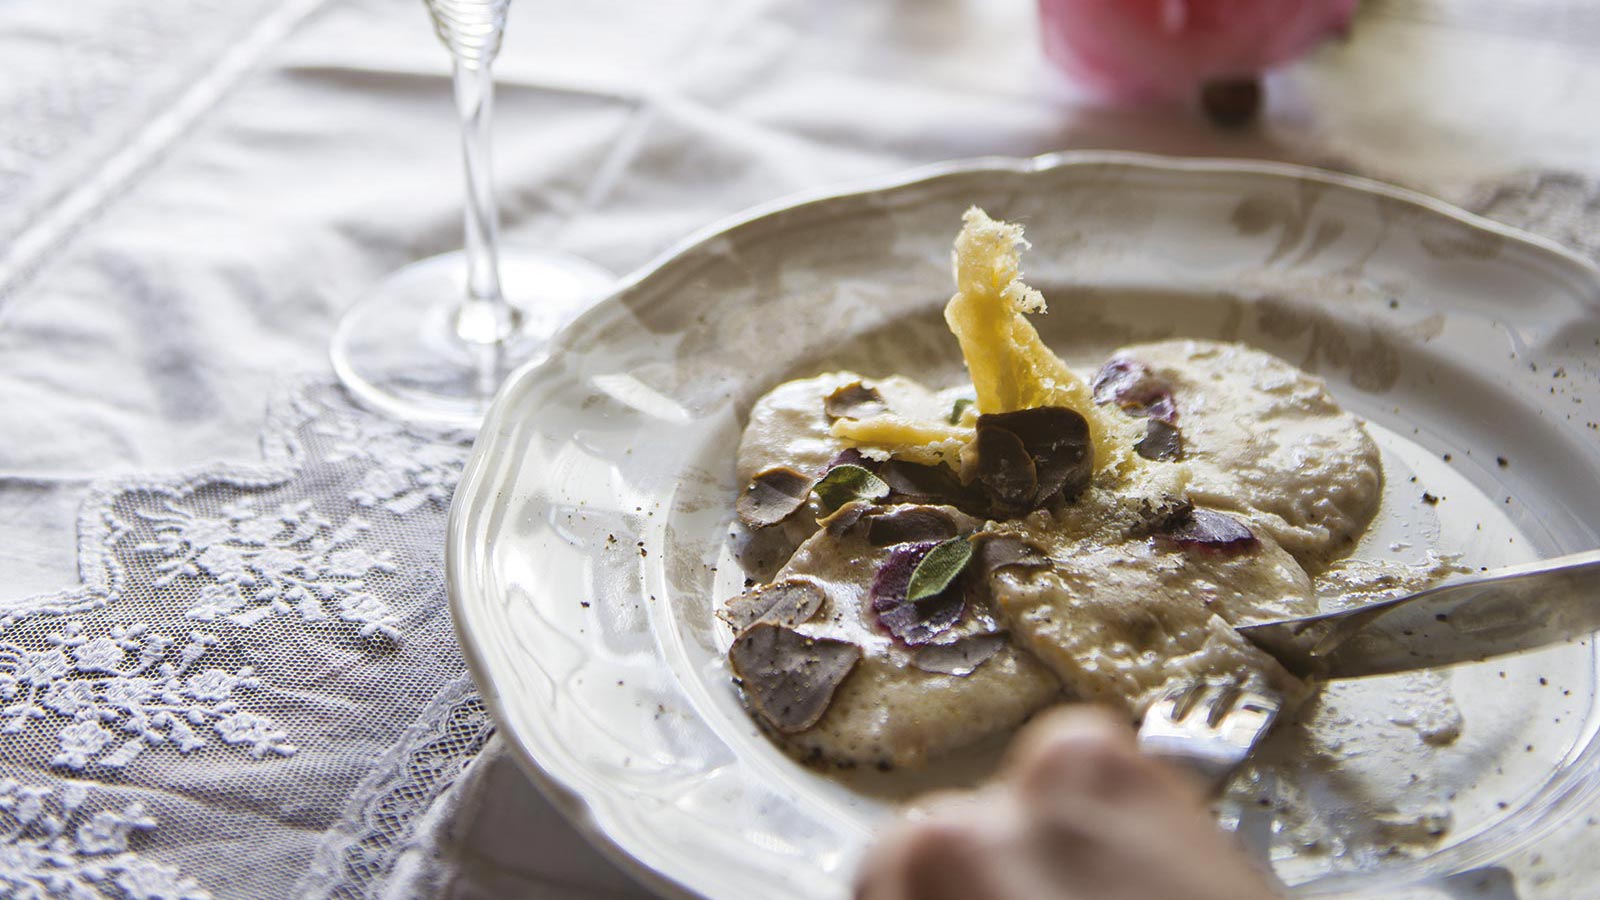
x=1168 y=49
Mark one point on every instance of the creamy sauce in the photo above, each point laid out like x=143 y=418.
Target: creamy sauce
x=889 y=712
x=1118 y=617
x=1262 y=437
x=1141 y=517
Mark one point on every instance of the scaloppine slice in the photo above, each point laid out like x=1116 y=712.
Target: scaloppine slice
x=901 y=704
x=1263 y=438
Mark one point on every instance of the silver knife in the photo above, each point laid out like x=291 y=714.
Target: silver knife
x=1464 y=619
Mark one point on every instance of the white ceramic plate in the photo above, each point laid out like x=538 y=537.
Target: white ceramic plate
x=589 y=536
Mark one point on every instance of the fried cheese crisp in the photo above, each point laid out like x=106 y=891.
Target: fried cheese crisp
x=1010 y=366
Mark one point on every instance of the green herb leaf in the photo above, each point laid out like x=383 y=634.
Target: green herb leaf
x=959 y=408
x=847 y=482
x=940 y=567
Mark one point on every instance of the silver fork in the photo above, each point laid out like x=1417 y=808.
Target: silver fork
x=1208 y=728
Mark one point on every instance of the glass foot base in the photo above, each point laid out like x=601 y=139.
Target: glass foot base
x=398 y=352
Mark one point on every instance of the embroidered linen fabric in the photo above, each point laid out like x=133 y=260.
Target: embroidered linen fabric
x=286 y=613
x=226 y=665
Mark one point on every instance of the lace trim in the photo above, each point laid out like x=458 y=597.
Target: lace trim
x=361 y=851
x=332 y=533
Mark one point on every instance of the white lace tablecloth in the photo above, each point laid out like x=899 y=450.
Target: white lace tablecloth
x=226 y=665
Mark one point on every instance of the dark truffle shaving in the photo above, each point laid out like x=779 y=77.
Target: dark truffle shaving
x=843 y=519
x=911 y=482
x=1005 y=469
x=1031 y=458
x=854 y=401
x=1135 y=389
x=960 y=657
x=1208 y=531
x=992 y=552
x=772 y=496
x=910 y=524
x=788 y=678
x=1162 y=441
x=785 y=603
x=850 y=456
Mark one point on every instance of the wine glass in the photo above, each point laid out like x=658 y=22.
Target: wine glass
x=433 y=341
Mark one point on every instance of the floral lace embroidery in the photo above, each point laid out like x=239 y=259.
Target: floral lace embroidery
x=271 y=562
x=53 y=847
x=404 y=471
x=338 y=523
x=150 y=697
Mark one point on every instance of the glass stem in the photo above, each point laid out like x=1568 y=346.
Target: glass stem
x=484 y=316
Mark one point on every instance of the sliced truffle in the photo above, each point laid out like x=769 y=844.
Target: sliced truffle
x=772 y=496
x=1058 y=440
x=912 y=622
x=1005 y=469
x=845 y=517
x=1162 y=441
x=1151 y=518
x=785 y=603
x=854 y=401
x=850 y=456
x=911 y=482
x=1209 y=531
x=910 y=524
x=960 y=657
x=1055 y=443
x=1135 y=389
x=788 y=678
x=992 y=552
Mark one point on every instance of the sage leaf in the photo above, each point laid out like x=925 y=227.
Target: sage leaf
x=845 y=483
x=956 y=410
x=911 y=622
x=940 y=567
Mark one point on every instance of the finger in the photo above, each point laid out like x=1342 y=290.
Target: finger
x=1078 y=720
x=1082 y=753
x=945 y=852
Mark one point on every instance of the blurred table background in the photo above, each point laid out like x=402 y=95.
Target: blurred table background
x=191 y=191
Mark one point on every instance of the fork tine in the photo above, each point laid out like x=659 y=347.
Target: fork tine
x=1223 y=699
x=1209 y=728
x=1183 y=700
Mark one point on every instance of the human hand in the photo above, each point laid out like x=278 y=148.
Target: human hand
x=1076 y=814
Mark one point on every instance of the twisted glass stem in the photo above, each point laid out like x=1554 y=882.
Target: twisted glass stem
x=471 y=30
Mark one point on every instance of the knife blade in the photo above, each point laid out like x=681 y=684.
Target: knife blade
x=1465 y=619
